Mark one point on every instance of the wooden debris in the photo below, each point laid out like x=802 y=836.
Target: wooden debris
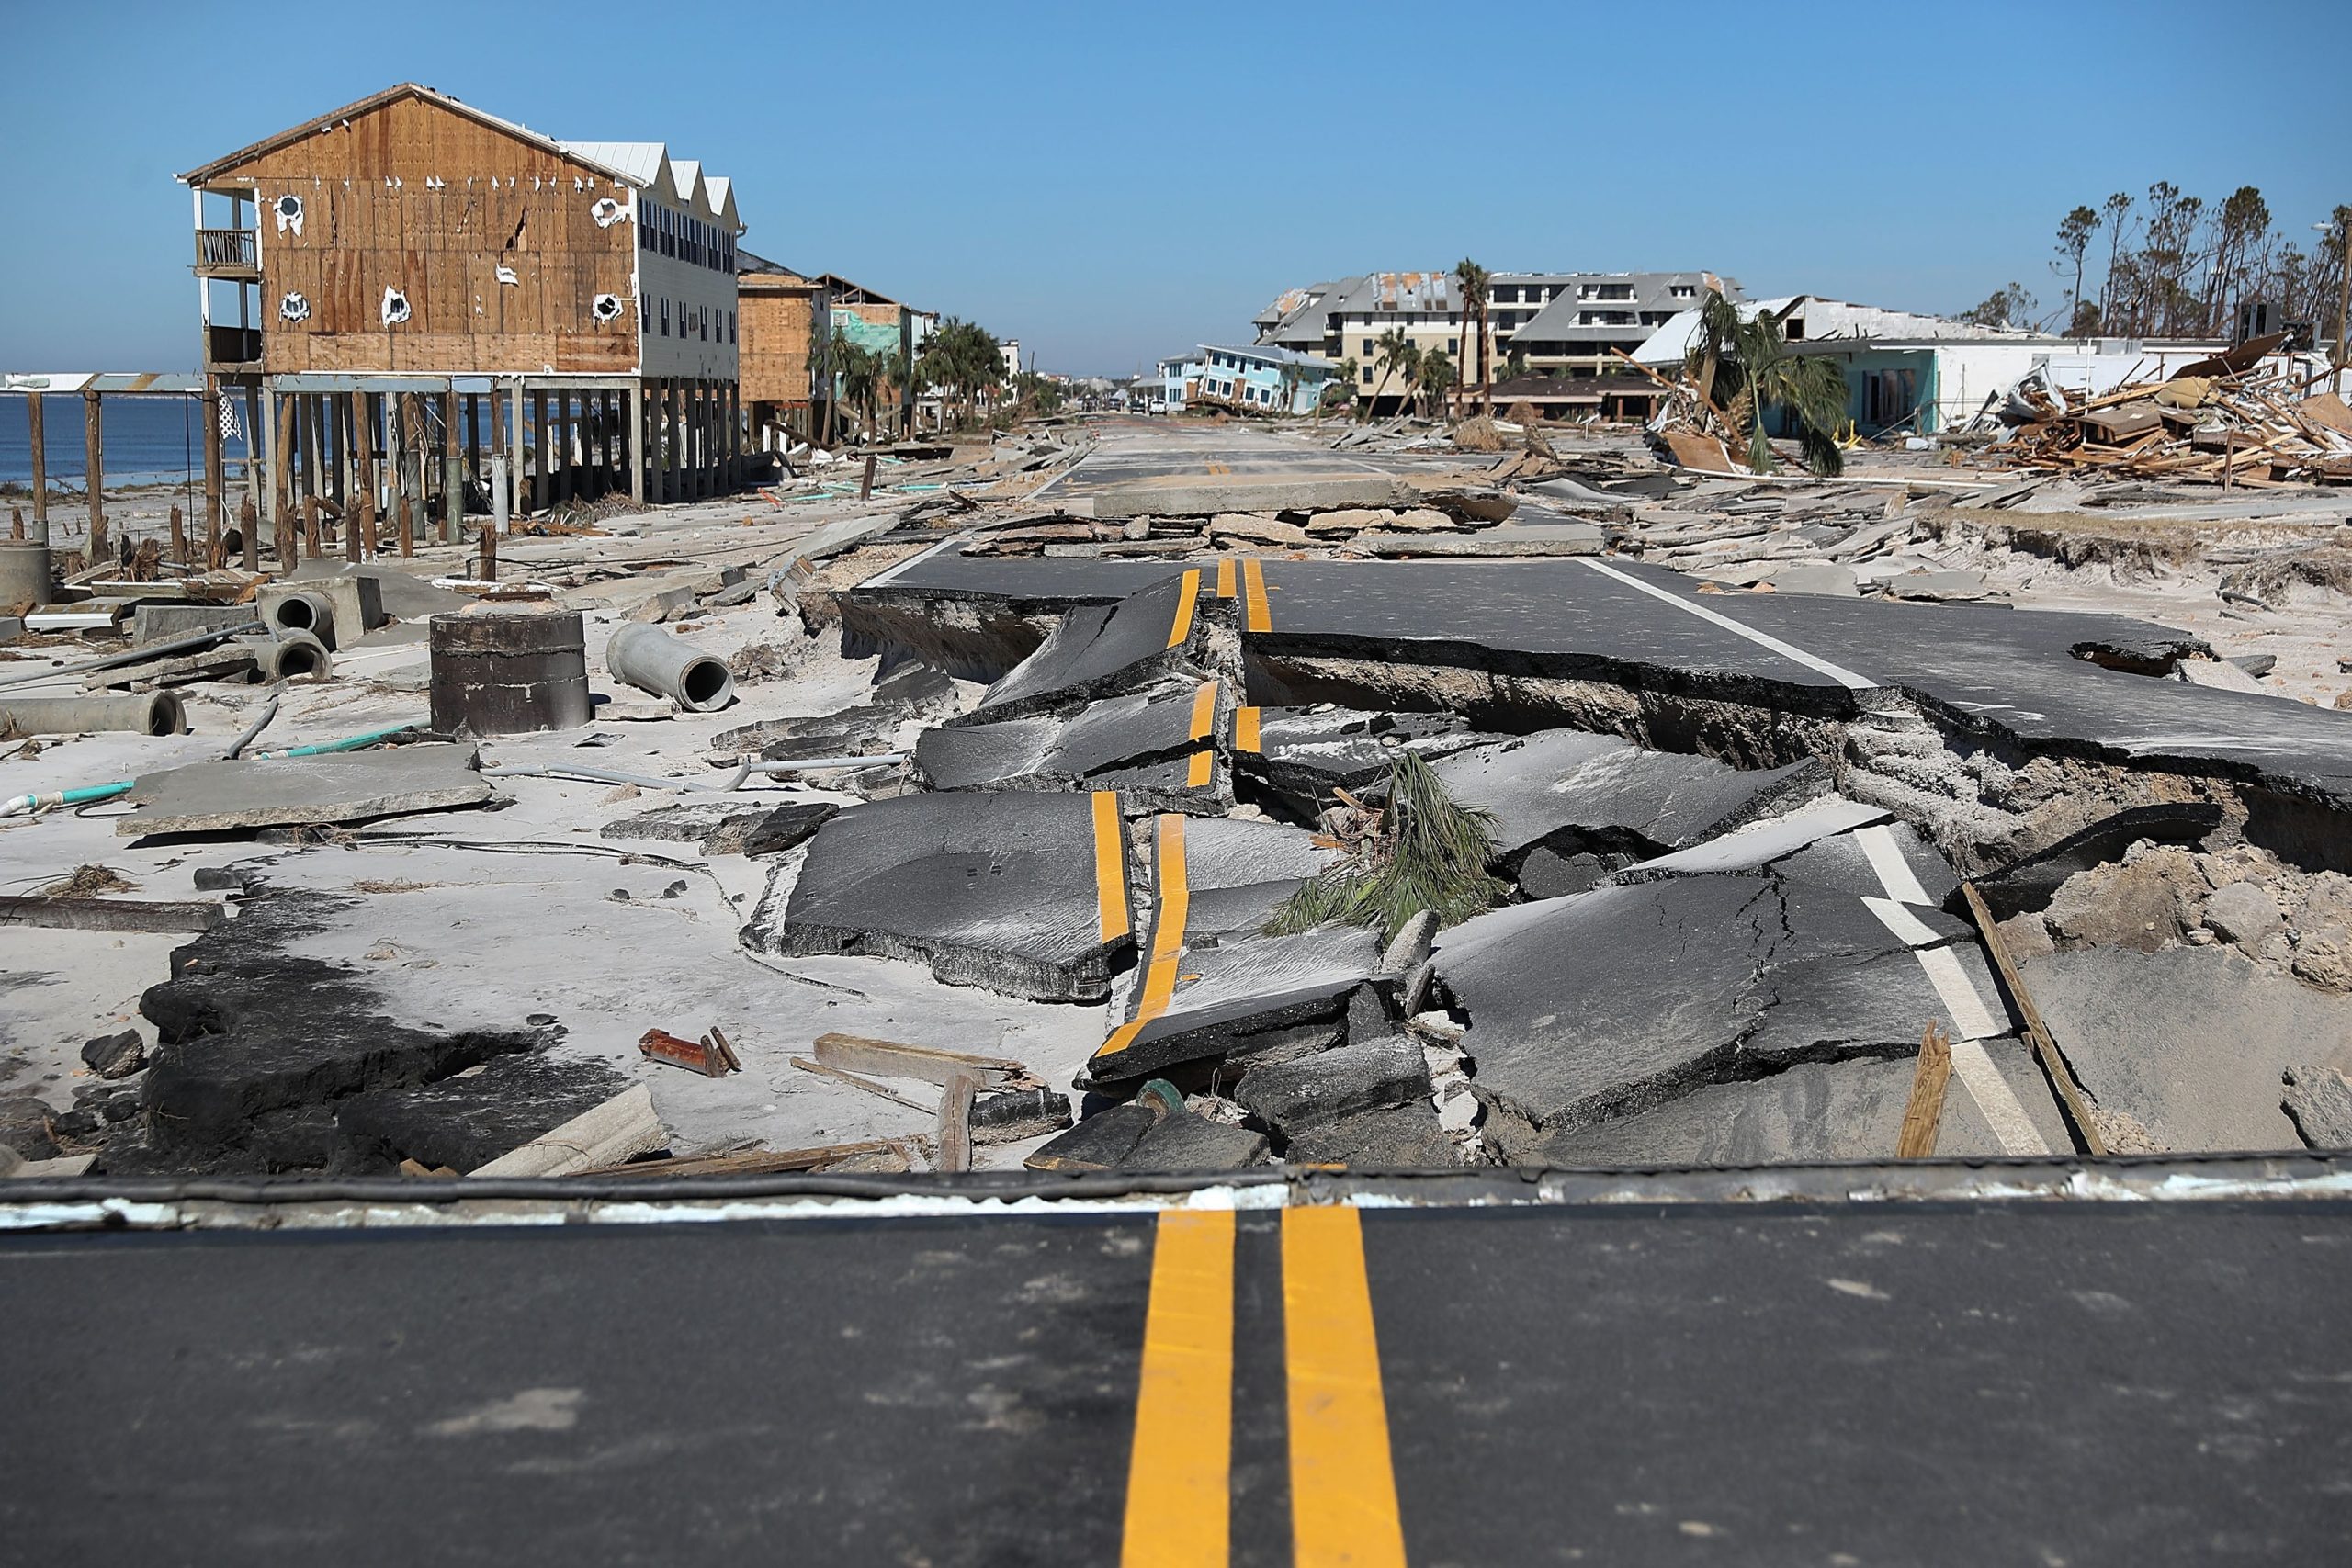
x=1924 y=1114
x=891 y=1059
x=854 y=1081
x=2071 y=1099
x=2226 y=424
x=955 y=1120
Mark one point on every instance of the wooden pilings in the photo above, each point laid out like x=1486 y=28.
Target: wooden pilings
x=33 y=428
x=93 y=442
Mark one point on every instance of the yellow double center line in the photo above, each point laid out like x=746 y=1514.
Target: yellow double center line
x=1342 y=1479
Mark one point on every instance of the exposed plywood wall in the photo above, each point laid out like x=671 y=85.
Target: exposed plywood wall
x=502 y=202
x=774 y=344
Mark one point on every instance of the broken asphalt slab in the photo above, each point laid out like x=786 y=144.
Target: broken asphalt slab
x=1100 y=651
x=332 y=789
x=1559 y=794
x=258 y=1046
x=1024 y=893
x=1052 y=751
x=1592 y=1008
x=2044 y=681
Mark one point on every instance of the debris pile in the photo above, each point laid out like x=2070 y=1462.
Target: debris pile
x=2250 y=427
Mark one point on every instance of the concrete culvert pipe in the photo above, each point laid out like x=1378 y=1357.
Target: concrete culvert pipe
x=145 y=713
x=290 y=656
x=652 y=660
x=313 y=613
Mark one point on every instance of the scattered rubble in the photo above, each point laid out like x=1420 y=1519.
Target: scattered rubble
x=988 y=859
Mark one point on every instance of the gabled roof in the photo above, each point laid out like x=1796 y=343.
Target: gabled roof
x=638 y=164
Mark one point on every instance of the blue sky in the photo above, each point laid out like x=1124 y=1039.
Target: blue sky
x=1109 y=183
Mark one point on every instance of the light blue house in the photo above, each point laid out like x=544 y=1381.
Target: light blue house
x=1279 y=381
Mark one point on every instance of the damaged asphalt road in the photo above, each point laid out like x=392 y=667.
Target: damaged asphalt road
x=1729 y=838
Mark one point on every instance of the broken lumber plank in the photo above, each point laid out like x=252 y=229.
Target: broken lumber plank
x=869 y=1085
x=611 y=1132
x=955 y=1120
x=756 y=1162
x=112 y=914
x=2071 y=1099
x=892 y=1059
x=1924 y=1114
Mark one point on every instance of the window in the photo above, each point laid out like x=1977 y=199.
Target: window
x=666 y=318
x=1453 y=345
x=731 y=326
x=1367 y=346
x=1683 y=291
x=1367 y=374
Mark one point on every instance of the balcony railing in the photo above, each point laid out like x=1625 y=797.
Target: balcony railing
x=227 y=249
x=231 y=347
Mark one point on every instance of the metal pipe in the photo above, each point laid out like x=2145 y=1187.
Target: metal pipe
x=288 y=655
x=188 y=644
x=652 y=660
x=313 y=613
x=147 y=712
x=245 y=737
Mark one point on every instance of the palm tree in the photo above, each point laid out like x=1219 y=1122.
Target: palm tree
x=1434 y=375
x=1748 y=362
x=1344 y=379
x=1472 y=281
x=1396 y=354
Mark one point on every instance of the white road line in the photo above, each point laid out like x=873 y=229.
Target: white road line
x=1973 y=1065
x=1893 y=871
x=1908 y=927
x=1972 y=1021
x=1836 y=673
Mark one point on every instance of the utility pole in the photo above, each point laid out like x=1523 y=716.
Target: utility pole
x=2343 y=301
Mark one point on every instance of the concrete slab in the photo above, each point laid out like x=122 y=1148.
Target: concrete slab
x=1022 y=892
x=337 y=788
x=2189 y=1044
x=1509 y=540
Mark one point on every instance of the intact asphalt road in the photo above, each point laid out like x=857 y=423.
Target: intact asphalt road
x=1963 y=1383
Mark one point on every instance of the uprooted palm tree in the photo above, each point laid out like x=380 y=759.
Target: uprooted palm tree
x=1396 y=354
x=1741 y=367
x=1416 y=849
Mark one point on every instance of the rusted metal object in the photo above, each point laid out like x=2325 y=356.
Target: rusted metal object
x=508 y=674
x=711 y=1055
